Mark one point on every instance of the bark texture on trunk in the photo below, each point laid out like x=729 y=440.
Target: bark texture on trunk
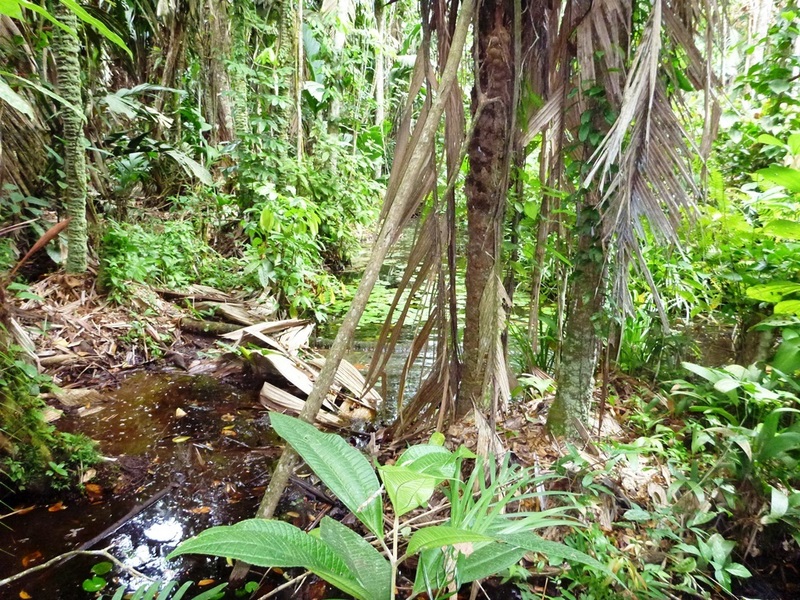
x=569 y=414
x=66 y=49
x=215 y=47
x=486 y=188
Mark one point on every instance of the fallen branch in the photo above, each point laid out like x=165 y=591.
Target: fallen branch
x=66 y=556
x=208 y=327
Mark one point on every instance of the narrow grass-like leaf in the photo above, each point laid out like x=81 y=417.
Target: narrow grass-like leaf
x=533 y=543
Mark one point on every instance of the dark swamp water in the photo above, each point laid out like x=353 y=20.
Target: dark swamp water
x=175 y=476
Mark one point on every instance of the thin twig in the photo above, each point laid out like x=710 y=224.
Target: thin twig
x=67 y=555
x=283 y=586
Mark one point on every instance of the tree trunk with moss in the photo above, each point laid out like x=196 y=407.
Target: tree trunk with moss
x=569 y=414
x=487 y=191
x=66 y=49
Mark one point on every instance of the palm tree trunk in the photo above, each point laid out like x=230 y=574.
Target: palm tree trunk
x=569 y=414
x=486 y=190
x=66 y=49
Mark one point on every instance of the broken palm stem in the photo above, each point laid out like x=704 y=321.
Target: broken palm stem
x=394 y=217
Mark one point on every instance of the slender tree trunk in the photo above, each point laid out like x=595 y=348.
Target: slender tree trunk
x=380 y=77
x=486 y=190
x=569 y=414
x=299 y=79
x=66 y=49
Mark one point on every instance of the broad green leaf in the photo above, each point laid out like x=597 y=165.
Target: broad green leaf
x=191 y=166
x=787 y=307
x=369 y=567
x=727 y=385
x=708 y=374
x=437 y=439
x=14 y=100
x=429 y=459
x=486 y=561
x=443 y=535
x=317 y=90
x=783 y=442
x=779 y=504
x=773 y=291
x=779 y=86
x=84 y=16
x=738 y=570
x=533 y=543
x=407 y=489
x=783 y=176
x=340 y=466
x=787 y=358
x=794 y=144
x=769 y=140
x=267 y=543
x=10 y=8
x=783 y=228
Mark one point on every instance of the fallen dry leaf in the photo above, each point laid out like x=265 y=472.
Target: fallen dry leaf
x=25 y=595
x=228 y=417
x=88 y=475
x=56 y=507
x=179 y=413
x=93 y=491
x=228 y=432
x=181 y=439
x=31 y=558
x=201 y=510
x=204 y=582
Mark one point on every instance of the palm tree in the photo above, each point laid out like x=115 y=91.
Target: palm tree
x=639 y=172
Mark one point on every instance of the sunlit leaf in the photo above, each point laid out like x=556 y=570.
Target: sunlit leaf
x=783 y=176
x=13 y=99
x=340 y=466
x=783 y=228
x=773 y=291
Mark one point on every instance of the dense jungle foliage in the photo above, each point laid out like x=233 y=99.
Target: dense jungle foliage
x=603 y=208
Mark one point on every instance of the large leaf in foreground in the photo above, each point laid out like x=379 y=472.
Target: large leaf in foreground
x=369 y=567
x=407 y=488
x=340 y=466
x=267 y=543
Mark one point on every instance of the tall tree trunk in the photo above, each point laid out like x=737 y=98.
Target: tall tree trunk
x=486 y=190
x=215 y=45
x=569 y=414
x=380 y=72
x=66 y=49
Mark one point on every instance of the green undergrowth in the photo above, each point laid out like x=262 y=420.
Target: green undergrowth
x=170 y=254
x=34 y=455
